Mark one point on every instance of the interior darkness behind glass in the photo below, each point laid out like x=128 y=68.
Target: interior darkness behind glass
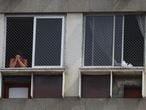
x=95 y=86
x=47 y=86
x=19 y=36
x=98 y=41
x=118 y=41
x=133 y=42
x=48 y=41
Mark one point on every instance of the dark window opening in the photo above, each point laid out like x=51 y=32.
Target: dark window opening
x=95 y=86
x=19 y=35
x=127 y=86
x=47 y=86
x=132 y=92
x=16 y=86
x=134 y=40
x=98 y=40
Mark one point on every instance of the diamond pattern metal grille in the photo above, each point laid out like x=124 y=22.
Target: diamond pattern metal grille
x=118 y=41
x=98 y=41
x=48 y=42
x=19 y=36
x=127 y=47
x=133 y=42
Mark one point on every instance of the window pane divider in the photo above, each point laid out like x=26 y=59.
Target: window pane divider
x=0 y=85
x=80 y=84
x=63 y=84
x=122 y=57
x=34 y=39
x=113 y=48
x=93 y=42
x=31 y=90
x=143 y=84
x=62 y=41
x=111 y=84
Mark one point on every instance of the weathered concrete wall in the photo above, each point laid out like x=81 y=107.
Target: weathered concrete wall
x=16 y=6
x=73 y=53
x=2 y=40
x=2 y=37
x=72 y=104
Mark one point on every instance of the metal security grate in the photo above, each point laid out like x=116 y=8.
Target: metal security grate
x=48 y=42
x=98 y=41
x=41 y=35
x=114 y=41
x=19 y=37
x=118 y=41
x=134 y=40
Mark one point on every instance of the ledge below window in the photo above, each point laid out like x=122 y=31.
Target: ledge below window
x=94 y=69
x=32 y=70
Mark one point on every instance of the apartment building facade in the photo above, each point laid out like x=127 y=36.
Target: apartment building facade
x=82 y=54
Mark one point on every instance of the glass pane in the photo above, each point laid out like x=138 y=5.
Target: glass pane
x=19 y=92
x=19 y=35
x=134 y=40
x=122 y=82
x=47 y=86
x=95 y=86
x=48 y=41
x=118 y=41
x=16 y=86
x=98 y=41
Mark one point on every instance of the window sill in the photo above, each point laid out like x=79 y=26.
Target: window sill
x=32 y=70
x=116 y=69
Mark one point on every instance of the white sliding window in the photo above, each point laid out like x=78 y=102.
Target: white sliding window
x=114 y=40
x=48 y=41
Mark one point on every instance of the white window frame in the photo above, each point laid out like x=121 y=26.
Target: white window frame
x=34 y=41
x=0 y=85
x=113 y=47
x=34 y=37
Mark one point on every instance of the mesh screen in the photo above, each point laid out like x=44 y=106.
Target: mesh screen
x=98 y=40
x=48 y=42
x=118 y=41
x=133 y=41
x=128 y=45
x=19 y=37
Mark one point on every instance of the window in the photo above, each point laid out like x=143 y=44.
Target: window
x=19 y=35
x=115 y=84
x=16 y=86
x=44 y=85
x=127 y=86
x=39 y=38
x=47 y=86
x=114 y=40
x=95 y=86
